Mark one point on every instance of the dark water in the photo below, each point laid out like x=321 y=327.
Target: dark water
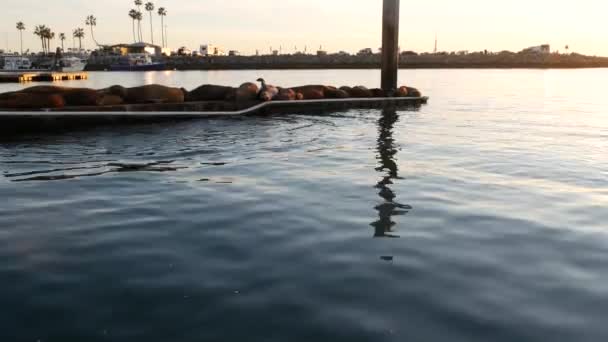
x=480 y=217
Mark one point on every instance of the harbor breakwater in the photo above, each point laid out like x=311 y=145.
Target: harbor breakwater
x=342 y=61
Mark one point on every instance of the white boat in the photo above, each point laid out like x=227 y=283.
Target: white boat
x=137 y=62
x=16 y=63
x=71 y=64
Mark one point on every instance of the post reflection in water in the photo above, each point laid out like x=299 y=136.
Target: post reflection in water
x=388 y=167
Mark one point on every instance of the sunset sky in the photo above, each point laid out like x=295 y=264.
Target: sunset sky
x=350 y=25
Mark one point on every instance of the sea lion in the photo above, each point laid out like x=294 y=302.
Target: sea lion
x=210 y=92
x=110 y=100
x=18 y=100
x=311 y=92
x=335 y=93
x=247 y=92
x=347 y=90
x=360 y=92
x=413 y=92
x=401 y=92
x=115 y=90
x=153 y=93
x=285 y=94
x=267 y=92
x=377 y=92
x=72 y=96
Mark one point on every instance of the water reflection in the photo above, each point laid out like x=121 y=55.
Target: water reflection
x=388 y=167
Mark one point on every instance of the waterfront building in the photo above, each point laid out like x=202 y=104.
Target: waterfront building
x=212 y=50
x=544 y=49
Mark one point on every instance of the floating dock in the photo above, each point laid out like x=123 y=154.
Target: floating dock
x=41 y=76
x=16 y=122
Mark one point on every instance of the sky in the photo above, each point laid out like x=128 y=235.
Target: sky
x=348 y=25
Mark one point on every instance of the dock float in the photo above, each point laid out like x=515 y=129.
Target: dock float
x=42 y=76
x=16 y=122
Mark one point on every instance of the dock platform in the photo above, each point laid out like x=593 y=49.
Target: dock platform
x=15 y=122
x=41 y=76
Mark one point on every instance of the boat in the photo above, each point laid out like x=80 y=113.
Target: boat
x=71 y=64
x=137 y=62
x=16 y=63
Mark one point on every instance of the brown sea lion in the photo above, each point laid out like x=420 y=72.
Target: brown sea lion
x=267 y=92
x=247 y=92
x=110 y=100
x=210 y=92
x=285 y=94
x=154 y=93
x=401 y=92
x=20 y=100
x=377 y=92
x=311 y=92
x=335 y=93
x=360 y=92
x=413 y=92
x=115 y=90
x=347 y=90
x=72 y=96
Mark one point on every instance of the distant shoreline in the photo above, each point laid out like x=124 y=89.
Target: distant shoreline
x=423 y=61
x=227 y=67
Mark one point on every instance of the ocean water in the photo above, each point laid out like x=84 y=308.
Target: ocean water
x=482 y=216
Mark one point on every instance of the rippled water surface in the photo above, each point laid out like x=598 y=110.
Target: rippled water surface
x=482 y=216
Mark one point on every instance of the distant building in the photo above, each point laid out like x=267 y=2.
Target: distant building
x=125 y=49
x=367 y=51
x=212 y=50
x=233 y=53
x=184 y=51
x=544 y=49
x=321 y=53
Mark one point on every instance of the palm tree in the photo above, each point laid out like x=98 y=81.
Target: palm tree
x=133 y=16
x=162 y=12
x=49 y=35
x=139 y=3
x=150 y=8
x=40 y=32
x=92 y=21
x=21 y=28
x=62 y=38
x=140 y=17
x=79 y=33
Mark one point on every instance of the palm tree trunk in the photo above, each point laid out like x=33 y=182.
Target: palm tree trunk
x=93 y=36
x=80 y=43
x=62 y=49
x=134 y=39
x=43 y=46
x=139 y=28
x=151 y=29
x=162 y=30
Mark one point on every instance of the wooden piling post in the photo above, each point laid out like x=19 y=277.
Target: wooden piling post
x=390 y=45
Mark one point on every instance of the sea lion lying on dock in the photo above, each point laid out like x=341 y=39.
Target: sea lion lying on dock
x=247 y=92
x=285 y=94
x=19 y=100
x=267 y=91
x=360 y=92
x=413 y=92
x=152 y=93
x=71 y=96
x=210 y=92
